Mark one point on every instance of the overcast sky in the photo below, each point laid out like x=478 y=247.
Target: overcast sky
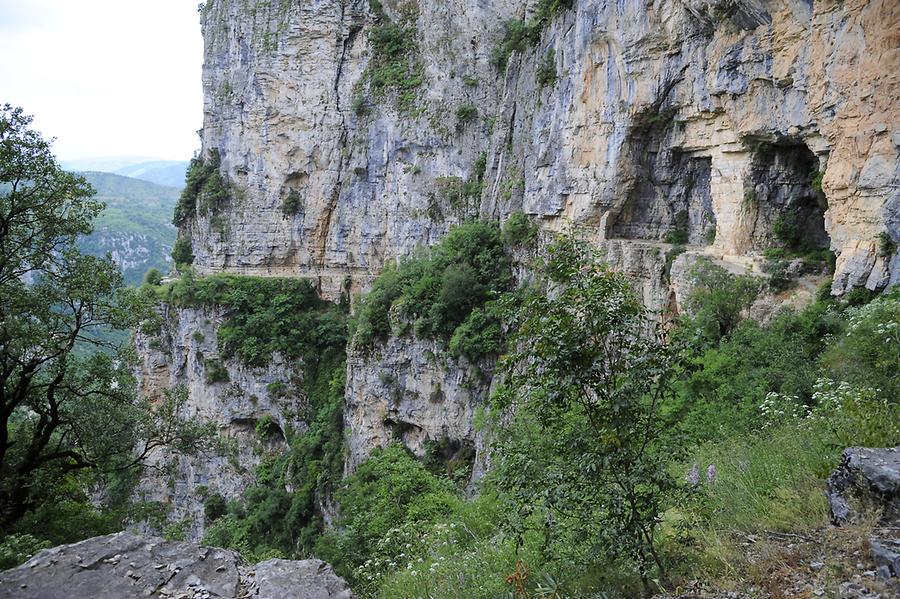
x=105 y=77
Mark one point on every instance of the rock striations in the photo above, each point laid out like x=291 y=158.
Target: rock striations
x=714 y=116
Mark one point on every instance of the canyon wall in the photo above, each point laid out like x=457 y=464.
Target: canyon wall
x=640 y=125
x=251 y=409
x=723 y=110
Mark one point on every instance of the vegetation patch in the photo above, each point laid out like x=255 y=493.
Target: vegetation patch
x=752 y=420
x=460 y=195
x=205 y=190
x=465 y=114
x=519 y=35
x=546 y=71
x=886 y=246
x=183 y=251
x=395 y=67
x=292 y=204
x=679 y=233
x=519 y=230
x=264 y=316
x=440 y=289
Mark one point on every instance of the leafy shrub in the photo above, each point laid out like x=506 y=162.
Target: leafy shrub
x=718 y=300
x=438 y=290
x=587 y=379
x=205 y=190
x=816 y=181
x=868 y=352
x=546 y=71
x=465 y=556
x=183 y=251
x=292 y=204
x=395 y=66
x=16 y=549
x=266 y=315
x=387 y=504
x=786 y=228
x=481 y=334
x=215 y=372
x=153 y=277
x=679 y=235
x=465 y=114
x=359 y=106
x=780 y=278
x=452 y=191
x=519 y=230
x=518 y=35
x=214 y=507
x=886 y=245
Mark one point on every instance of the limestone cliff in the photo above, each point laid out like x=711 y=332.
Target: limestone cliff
x=710 y=116
x=251 y=408
x=640 y=124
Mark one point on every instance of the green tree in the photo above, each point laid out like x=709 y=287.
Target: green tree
x=68 y=401
x=586 y=383
x=719 y=301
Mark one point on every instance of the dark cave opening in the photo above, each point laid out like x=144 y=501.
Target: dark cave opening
x=783 y=194
x=670 y=198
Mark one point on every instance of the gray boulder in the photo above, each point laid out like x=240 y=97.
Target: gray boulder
x=125 y=565
x=868 y=482
x=868 y=479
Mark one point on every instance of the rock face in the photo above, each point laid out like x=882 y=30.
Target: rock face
x=237 y=398
x=123 y=566
x=724 y=126
x=710 y=119
x=409 y=390
x=867 y=480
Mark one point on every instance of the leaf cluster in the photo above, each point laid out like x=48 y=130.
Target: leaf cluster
x=586 y=382
x=205 y=189
x=438 y=291
x=519 y=35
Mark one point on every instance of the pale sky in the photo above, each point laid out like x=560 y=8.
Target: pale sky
x=106 y=77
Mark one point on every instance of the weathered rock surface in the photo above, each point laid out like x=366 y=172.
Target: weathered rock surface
x=235 y=397
x=886 y=555
x=868 y=483
x=711 y=118
x=412 y=391
x=123 y=566
x=867 y=480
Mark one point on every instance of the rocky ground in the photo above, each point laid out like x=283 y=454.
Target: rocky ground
x=125 y=565
x=858 y=556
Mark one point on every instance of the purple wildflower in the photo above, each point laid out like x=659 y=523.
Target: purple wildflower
x=711 y=473
x=693 y=477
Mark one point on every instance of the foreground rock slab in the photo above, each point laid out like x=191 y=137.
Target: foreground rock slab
x=867 y=484
x=868 y=480
x=125 y=565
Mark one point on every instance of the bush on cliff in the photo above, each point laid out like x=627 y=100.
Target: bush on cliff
x=265 y=315
x=440 y=289
x=205 y=190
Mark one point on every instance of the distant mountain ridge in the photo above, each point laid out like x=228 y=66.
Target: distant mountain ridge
x=169 y=173
x=136 y=226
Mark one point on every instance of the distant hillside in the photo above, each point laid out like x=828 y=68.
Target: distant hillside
x=136 y=227
x=162 y=172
